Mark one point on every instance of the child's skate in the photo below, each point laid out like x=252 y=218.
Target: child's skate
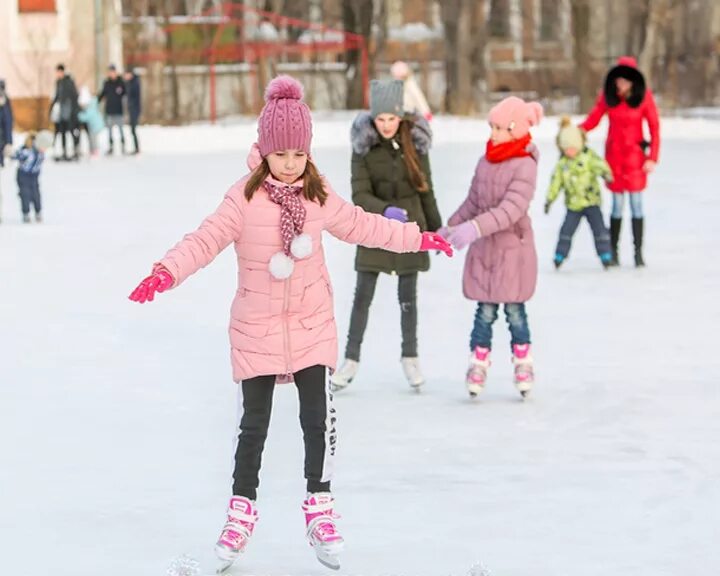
x=321 y=530
x=524 y=375
x=241 y=518
x=477 y=371
x=342 y=377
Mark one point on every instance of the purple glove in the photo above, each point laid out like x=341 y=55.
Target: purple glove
x=463 y=234
x=444 y=232
x=395 y=213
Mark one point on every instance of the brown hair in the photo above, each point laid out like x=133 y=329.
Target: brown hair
x=410 y=155
x=313 y=189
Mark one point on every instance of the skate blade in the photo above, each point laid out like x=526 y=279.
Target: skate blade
x=328 y=558
x=224 y=566
x=474 y=390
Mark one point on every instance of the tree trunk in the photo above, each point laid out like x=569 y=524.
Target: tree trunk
x=657 y=16
x=458 y=84
x=357 y=19
x=580 y=11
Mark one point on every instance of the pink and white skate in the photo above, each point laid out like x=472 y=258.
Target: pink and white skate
x=477 y=371
x=321 y=530
x=524 y=374
x=241 y=518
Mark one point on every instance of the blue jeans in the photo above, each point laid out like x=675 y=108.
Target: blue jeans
x=485 y=316
x=636 y=205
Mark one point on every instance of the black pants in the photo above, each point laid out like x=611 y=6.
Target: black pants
x=133 y=127
x=29 y=186
x=62 y=128
x=364 y=292
x=572 y=221
x=317 y=420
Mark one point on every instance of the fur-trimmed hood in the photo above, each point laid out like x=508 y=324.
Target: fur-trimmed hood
x=626 y=68
x=364 y=136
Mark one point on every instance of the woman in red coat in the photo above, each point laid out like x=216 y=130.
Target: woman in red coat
x=627 y=101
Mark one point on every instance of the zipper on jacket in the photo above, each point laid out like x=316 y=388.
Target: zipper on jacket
x=286 y=328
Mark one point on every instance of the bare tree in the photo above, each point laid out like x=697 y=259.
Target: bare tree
x=357 y=18
x=456 y=16
x=580 y=14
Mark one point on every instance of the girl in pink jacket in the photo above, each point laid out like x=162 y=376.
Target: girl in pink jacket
x=501 y=264
x=282 y=322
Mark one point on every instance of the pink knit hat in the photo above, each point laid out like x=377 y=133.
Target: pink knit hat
x=285 y=121
x=516 y=115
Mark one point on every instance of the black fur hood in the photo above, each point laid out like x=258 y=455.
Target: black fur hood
x=626 y=68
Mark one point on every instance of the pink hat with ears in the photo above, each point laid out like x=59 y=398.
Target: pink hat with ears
x=516 y=115
x=285 y=122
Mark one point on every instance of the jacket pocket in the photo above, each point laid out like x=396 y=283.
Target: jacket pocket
x=250 y=329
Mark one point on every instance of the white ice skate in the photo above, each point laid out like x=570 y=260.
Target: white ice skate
x=413 y=374
x=321 y=531
x=241 y=518
x=344 y=375
x=477 y=370
x=524 y=374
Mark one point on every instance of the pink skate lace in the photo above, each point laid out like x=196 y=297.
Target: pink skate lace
x=319 y=518
x=241 y=518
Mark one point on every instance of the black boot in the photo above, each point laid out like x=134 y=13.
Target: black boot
x=638 y=227
x=615 y=224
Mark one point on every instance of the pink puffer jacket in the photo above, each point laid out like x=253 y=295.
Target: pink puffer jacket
x=279 y=327
x=501 y=266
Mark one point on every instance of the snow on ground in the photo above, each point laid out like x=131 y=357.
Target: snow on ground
x=117 y=420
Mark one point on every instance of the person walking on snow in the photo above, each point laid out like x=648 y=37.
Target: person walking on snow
x=112 y=92
x=576 y=175
x=390 y=176
x=414 y=101
x=501 y=263
x=628 y=103
x=282 y=316
x=90 y=116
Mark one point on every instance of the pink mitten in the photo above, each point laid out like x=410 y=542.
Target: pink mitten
x=433 y=241
x=463 y=234
x=158 y=281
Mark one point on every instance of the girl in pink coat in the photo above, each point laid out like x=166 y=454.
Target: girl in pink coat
x=282 y=320
x=501 y=264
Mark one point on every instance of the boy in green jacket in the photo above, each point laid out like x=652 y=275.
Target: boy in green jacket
x=576 y=174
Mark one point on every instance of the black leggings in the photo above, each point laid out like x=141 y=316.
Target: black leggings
x=364 y=293
x=317 y=419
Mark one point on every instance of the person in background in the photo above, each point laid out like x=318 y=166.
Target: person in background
x=414 y=101
x=628 y=103
x=576 y=175
x=112 y=92
x=6 y=132
x=64 y=111
x=30 y=159
x=134 y=104
x=90 y=116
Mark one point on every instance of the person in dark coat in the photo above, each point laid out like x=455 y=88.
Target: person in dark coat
x=6 y=128
x=64 y=110
x=390 y=176
x=112 y=92
x=134 y=105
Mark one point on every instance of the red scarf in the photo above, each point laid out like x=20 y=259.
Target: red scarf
x=512 y=149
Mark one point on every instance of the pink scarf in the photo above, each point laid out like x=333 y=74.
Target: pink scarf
x=292 y=216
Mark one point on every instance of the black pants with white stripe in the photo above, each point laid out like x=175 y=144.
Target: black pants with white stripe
x=317 y=419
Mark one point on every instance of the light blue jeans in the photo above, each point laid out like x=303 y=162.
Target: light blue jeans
x=636 y=205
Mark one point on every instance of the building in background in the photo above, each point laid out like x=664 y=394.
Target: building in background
x=36 y=35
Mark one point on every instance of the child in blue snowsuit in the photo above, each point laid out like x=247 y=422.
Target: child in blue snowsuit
x=30 y=160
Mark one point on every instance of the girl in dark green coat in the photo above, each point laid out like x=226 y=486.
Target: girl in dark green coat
x=390 y=176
